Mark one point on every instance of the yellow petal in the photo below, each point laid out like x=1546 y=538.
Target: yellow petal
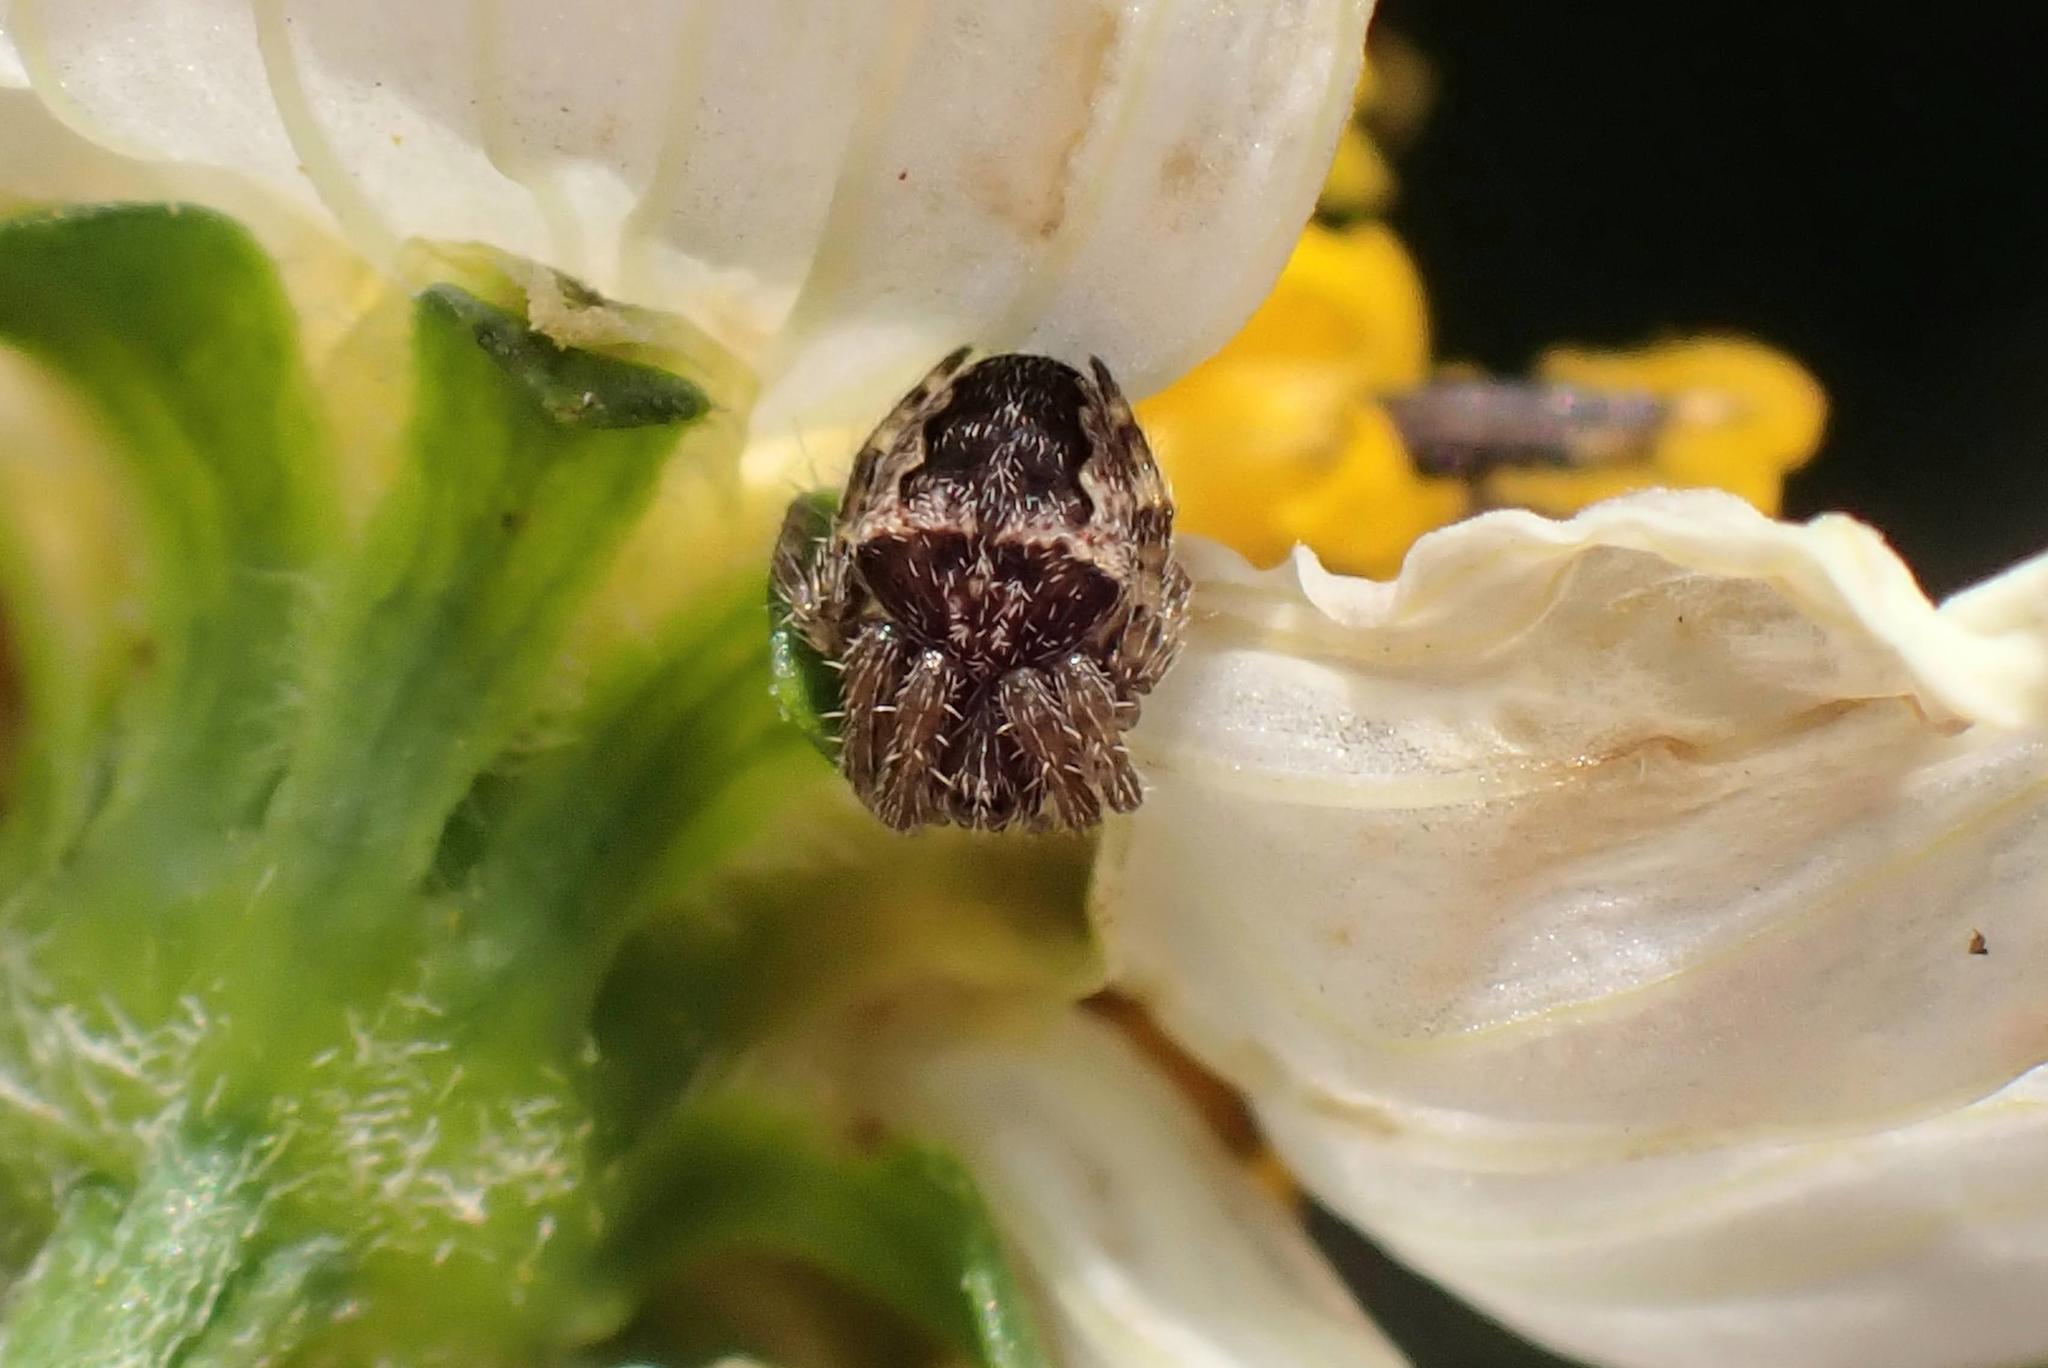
x=1348 y=299
x=1744 y=416
x=1267 y=442
x=1360 y=180
x=1362 y=515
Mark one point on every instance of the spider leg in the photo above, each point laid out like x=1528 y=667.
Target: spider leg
x=1089 y=700
x=806 y=580
x=1049 y=740
x=876 y=664
x=984 y=796
x=1149 y=638
x=1122 y=479
x=908 y=797
x=1129 y=492
x=885 y=458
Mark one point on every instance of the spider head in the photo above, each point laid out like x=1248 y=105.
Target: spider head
x=1010 y=428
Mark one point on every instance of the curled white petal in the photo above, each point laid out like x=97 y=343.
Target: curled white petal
x=1639 y=855
x=1147 y=1243
x=839 y=192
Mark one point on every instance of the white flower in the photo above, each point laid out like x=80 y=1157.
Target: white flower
x=1148 y=1244
x=1590 y=914
x=835 y=193
x=1635 y=921
x=838 y=192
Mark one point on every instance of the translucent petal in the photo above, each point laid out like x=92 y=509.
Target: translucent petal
x=1148 y=1244
x=1597 y=861
x=842 y=192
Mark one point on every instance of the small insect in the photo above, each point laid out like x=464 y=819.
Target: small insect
x=1468 y=427
x=997 y=590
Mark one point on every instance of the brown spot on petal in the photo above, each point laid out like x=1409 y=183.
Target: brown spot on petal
x=1977 y=945
x=1024 y=181
x=1187 y=180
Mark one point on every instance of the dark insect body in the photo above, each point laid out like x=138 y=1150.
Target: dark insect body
x=998 y=590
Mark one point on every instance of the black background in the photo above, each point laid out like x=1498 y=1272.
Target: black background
x=1858 y=183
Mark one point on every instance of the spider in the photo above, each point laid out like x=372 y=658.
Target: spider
x=997 y=590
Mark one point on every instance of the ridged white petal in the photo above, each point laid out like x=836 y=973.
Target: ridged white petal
x=1557 y=900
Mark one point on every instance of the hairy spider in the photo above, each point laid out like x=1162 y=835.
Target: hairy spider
x=998 y=590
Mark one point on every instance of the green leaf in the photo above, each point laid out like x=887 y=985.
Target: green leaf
x=171 y=324
x=899 y=1221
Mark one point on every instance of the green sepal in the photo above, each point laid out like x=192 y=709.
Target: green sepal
x=171 y=324
x=145 y=1270
x=68 y=580
x=278 y=960
x=442 y=628
x=286 y=1297
x=574 y=387
x=336 y=877
x=898 y=1220
x=672 y=763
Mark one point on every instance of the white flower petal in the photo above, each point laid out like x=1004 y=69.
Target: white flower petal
x=13 y=76
x=840 y=192
x=1601 y=856
x=1076 y=177
x=1146 y=1241
x=158 y=79
x=1914 y=1247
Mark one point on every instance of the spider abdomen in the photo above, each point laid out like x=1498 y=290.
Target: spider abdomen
x=992 y=604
